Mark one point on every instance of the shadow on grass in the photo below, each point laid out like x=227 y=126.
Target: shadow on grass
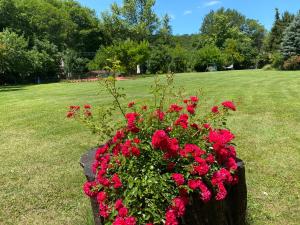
x=11 y=88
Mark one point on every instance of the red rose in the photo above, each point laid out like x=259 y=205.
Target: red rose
x=135 y=151
x=194 y=99
x=191 y=109
x=171 y=218
x=130 y=104
x=175 y=108
x=215 y=109
x=119 y=204
x=87 y=106
x=160 y=114
x=116 y=181
x=123 y=212
x=90 y=189
x=178 y=206
x=101 y=196
x=136 y=140
x=178 y=178
x=118 y=136
x=229 y=105
x=205 y=192
x=160 y=140
x=207 y=126
x=103 y=210
x=130 y=221
x=103 y=181
x=182 y=121
x=202 y=169
x=194 y=184
x=70 y=114
x=231 y=164
x=221 y=192
x=131 y=122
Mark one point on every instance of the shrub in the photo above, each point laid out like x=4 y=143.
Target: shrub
x=277 y=60
x=180 y=59
x=159 y=60
x=293 y=63
x=268 y=67
x=158 y=156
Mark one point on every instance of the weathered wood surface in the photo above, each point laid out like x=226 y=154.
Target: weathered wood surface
x=231 y=211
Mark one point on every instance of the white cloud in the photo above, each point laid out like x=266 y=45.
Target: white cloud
x=187 y=12
x=212 y=3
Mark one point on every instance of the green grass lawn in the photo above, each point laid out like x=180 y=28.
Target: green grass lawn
x=41 y=180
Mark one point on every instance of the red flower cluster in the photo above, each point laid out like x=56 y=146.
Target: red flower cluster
x=229 y=105
x=131 y=122
x=197 y=158
x=74 y=109
x=161 y=140
x=182 y=121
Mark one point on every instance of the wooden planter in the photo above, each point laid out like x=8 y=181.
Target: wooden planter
x=231 y=211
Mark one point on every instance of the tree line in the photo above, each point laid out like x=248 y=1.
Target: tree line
x=49 y=40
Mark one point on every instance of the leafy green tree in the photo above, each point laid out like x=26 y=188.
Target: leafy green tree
x=276 y=34
x=73 y=64
x=164 y=36
x=209 y=55
x=8 y=14
x=130 y=54
x=159 y=60
x=44 y=19
x=222 y=24
x=291 y=39
x=86 y=37
x=14 y=57
x=45 y=61
x=135 y=19
x=232 y=52
x=180 y=59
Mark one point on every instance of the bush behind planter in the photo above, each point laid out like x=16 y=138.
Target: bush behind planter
x=231 y=211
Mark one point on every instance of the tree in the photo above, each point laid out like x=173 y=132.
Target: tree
x=164 y=36
x=241 y=39
x=180 y=59
x=222 y=24
x=159 y=60
x=130 y=54
x=8 y=14
x=74 y=65
x=86 y=37
x=14 y=57
x=276 y=34
x=291 y=39
x=135 y=19
x=232 y=52
x=45 y=61
x=209 y=55
x=44 y=19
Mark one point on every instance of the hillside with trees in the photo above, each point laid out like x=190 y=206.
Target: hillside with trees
x=50 y=40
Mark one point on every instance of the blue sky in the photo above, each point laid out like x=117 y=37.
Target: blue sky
x=187 y=15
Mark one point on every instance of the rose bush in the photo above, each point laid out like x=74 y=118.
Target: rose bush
x=159 y=157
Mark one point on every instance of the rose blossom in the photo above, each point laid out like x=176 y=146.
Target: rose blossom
x=229 y=105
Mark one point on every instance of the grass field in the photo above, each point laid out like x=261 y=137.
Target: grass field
x=41 y=180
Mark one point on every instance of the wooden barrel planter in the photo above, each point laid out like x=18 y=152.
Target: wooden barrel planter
x=230 y=211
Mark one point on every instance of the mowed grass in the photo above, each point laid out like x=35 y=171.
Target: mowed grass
x=41 y=180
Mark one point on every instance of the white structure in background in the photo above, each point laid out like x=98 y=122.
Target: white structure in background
x=138 y=69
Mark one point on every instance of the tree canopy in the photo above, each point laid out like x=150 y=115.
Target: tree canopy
x=56 y=39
